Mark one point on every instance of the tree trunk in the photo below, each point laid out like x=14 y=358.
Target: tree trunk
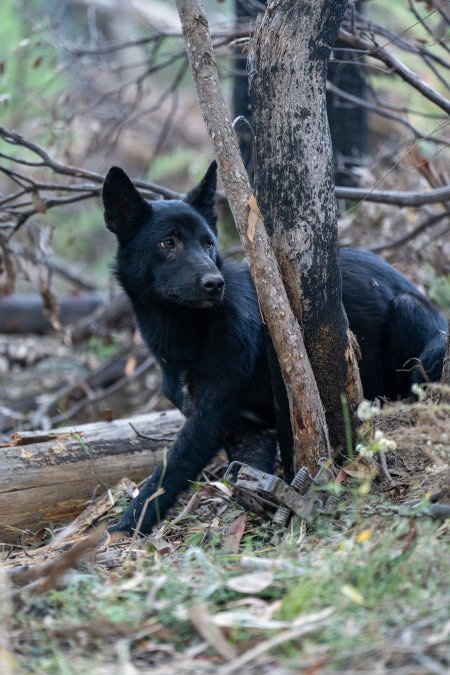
x=307 y=416
x=245 y=16
x=347 y=120
x=48 y=477
x=295 y=186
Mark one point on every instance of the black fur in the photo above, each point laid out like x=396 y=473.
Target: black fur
x=199 y=316
x=400 y=333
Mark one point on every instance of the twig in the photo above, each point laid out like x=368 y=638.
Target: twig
x=429 y=222
x=409 y=76
x=66 y=170
x=380 y=110
x=150 y=438
x=307 y=624
x=188 y=509
x=202 y=621
x=95 y=398
x=20 y=213
x=385 y=468
x=395 y=197
x=41 y=578
x=55 y=264
x=137 y=530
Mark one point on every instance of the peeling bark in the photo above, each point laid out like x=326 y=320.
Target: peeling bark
x=294 y=184
x=307 y=415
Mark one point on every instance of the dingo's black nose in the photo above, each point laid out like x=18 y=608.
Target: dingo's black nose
x=213 y=283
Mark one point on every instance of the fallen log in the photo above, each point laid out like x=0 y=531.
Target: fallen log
x=24 y=312
x=48 y=477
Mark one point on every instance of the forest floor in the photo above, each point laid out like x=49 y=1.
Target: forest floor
x=363 y=589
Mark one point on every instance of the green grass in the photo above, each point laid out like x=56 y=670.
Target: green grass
x=379 y=577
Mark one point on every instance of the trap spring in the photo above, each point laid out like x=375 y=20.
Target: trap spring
x=305 y=494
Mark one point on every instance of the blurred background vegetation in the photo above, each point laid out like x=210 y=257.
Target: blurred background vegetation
x=91 y=106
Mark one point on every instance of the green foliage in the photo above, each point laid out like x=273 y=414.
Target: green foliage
x=30 y=76
x=306 y=595
x=439 y=292
x=166 y=165
x=81 y=237
x=103 y=349
x=182 y=163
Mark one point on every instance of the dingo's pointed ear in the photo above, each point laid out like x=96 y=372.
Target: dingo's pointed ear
x=203 y=196
x=125 y=209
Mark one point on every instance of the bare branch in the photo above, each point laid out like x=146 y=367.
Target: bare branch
x=18 y=211
x=55 y=264
x=66 y=170
x=429 y=222
x=381 y=110
x=397 y=66
x=396 y=197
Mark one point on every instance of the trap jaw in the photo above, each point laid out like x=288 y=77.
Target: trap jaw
x=278 y=500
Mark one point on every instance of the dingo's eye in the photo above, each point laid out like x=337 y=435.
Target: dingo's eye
x=168 y=244
x=209 y=243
